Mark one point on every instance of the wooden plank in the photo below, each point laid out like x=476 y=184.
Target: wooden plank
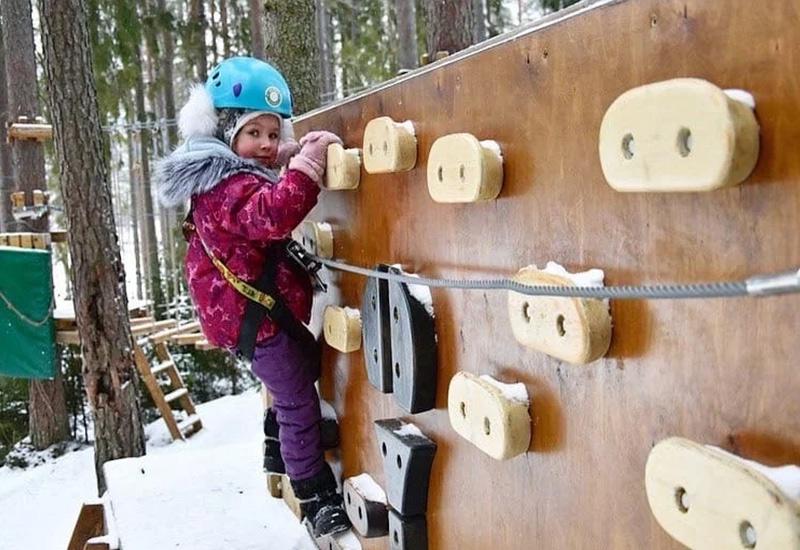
x=68 y=337
x=187 y=339
x=90 y=523
x=143 y=365
x=718 y=371
x=28 y=131
x=140 y=329
x=180 y=329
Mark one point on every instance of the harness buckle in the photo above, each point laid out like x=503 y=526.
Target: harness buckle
x=309 y=264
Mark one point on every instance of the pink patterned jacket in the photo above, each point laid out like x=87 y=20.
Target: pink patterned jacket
x=238 y=216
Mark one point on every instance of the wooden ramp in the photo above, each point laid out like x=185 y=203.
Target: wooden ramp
x=720 y=372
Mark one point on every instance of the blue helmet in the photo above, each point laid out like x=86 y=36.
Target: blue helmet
x=249 y=83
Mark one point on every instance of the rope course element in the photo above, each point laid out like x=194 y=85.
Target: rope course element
x=759 y=285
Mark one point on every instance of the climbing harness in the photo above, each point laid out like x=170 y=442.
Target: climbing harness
x=263 y=296
x=759 y=285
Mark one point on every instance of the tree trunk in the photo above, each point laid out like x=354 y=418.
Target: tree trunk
x=325 y=45
x=257 y=29
x=212 y=11
x=150 y=243
x=479 y=21
x=100 y=300
x=134 y=211
x=448 y=25
x=226 y=37
x=6 y=166
x=294 y=50
x=47 y=414
x=407 y=52
x=197 y=42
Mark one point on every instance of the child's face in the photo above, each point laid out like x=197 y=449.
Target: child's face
x=258 y=140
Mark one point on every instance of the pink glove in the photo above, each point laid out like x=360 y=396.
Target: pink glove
x=286 y=150
x=313 y=154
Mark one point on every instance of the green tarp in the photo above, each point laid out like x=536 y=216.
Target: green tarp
x=27 y=346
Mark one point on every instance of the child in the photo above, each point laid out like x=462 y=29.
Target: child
x=237 y=133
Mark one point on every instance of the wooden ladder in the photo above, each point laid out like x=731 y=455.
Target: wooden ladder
x=177 y=393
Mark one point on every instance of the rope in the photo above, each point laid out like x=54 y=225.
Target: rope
x=778 y=283
x=24 y=317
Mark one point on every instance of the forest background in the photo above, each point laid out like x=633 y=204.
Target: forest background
x=145 y=55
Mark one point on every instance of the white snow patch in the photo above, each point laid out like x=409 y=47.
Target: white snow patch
x=324 y=226
x=514 y=392
x=787 y=478
x=421 y=293
x=742 y=96
x=409 y=429
x=352 y=313
x=327 y=409
x=493 y=146
x=409 y=126
x=212 y=486
x=368 y=488
x=591 y=277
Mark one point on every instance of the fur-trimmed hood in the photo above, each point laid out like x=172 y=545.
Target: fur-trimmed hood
x=197 y=166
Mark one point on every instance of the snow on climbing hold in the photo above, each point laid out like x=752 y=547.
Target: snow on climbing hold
x=705 y=497
x=343 y=168
x=316 y=237
x=342 y=328
x=407 y=460
x=678 y=135
x=576 y=330
x=489 y=414
x=365 y=503
x=389 y=146
x=463 y=169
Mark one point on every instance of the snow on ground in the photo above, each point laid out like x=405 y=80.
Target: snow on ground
x=205 y=493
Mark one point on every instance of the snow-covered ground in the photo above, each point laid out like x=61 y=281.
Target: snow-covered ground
x=206 y=493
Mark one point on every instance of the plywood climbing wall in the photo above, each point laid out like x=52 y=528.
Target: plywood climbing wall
x=722 y=372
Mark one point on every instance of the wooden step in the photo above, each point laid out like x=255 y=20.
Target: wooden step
x=190 y=425
x=177 y=394
x=161 y=367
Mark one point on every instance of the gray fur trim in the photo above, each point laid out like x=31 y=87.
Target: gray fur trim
x=198 y=166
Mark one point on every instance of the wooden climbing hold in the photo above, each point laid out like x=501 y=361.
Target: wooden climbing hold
x=342 y=328
x=316 y=237
x=490 y=415
x=684 y=134
x=705 y=497
x=389 y=146
x=24 y=130
x=576 y=330
x=343 y=168
x=463 y=169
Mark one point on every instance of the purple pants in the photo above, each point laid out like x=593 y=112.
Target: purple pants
x=289 y=372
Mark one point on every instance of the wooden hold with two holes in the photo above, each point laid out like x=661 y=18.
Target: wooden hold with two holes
x=342 y=328
x=485 y=414
x=389 y=146
x=684 y=134
x=343 y=168
x=576 y=330
x=707 y=498
x=463 y=169
x=316 y=237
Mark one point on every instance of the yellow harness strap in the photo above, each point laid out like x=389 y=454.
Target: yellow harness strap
x=246 y=290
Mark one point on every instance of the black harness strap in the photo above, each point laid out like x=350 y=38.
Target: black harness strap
x=281 y=315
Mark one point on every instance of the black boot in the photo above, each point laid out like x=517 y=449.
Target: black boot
x=273 y=461
x=321 y=504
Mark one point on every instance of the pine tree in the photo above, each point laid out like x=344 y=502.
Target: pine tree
x=100 y=299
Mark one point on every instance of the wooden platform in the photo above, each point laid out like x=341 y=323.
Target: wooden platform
x=721 y=372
